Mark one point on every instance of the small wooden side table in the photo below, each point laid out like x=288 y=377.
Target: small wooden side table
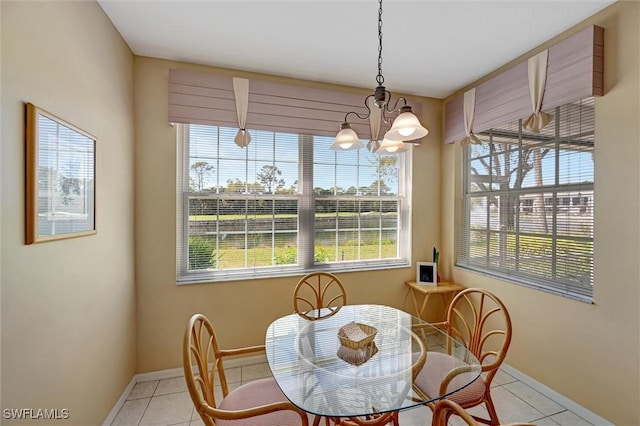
x=446 y=290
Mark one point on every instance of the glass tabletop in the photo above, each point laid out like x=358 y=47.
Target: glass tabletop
x=323 y=377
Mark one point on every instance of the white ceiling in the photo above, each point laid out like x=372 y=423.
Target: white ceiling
x=430 y=47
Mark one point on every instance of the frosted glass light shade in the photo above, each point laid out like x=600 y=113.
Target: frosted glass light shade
x=406 y=127
x=346 y=139
x=392 y=147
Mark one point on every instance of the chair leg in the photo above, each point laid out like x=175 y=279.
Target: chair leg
x=493 y=415
x=318 y=419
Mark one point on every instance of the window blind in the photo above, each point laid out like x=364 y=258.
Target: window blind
x=574 y=72
x=528 y=208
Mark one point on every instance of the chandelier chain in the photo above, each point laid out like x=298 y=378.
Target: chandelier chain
x=379 y=77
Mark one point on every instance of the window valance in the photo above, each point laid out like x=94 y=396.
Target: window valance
x=574 y=72
x=207 y=98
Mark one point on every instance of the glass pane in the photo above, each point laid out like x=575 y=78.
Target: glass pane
x=347 y=179
x=539 y=165
x=286 y=249
x=266 y=177
x=370 y=247
x=388 y=168
x=479 y=175
x=321 y=150
x=326 y=216
x=262 y=146
x=348 y=245
x=389 y=243
x=289 y=177
x=324 y=179
x=369 y=184
x=503 y=161
x=202 y=175
x=227 y=145
x=477 y=245
x=203 y=143
x=389 y=214
x=478 y=151
x=232 y=175
x=575 y=262
x=325 y=246
x=479 y=212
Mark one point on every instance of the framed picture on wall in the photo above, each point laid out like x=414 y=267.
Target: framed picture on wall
x=60 y=178
x=426 y=273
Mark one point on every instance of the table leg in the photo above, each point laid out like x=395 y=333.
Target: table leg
x=419 y=311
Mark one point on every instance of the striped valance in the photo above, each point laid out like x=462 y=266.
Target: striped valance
x=207 y=98
x=574 y=72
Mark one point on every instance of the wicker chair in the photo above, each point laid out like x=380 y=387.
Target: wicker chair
x=260 y=400
x=318 y=295
x=375 y=420
x=480 y=321
x=445 y=407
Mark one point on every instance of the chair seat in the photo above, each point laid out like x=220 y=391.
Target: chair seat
x=435 y=370
x=254 y=394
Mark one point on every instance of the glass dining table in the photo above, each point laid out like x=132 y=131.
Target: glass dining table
x=327 y=379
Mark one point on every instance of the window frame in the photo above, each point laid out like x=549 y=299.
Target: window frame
x=557 y=189
x=306 y=219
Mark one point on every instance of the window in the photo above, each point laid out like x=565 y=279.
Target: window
x=527 y=212
x=284 y=205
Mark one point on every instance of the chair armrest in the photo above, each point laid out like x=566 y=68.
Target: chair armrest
x=452 y=374
x=441 y=324
x=255 y=411
x=242 y=351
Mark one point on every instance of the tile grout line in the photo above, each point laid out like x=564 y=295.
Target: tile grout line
x=148 y=403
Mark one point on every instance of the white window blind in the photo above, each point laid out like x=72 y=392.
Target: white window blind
x=528 y=203
x=284 y=205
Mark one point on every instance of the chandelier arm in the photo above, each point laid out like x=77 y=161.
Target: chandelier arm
x=384 y=119
x=395 y=105
x=361 y=117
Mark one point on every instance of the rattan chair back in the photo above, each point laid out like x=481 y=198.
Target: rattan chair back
x=318 y=295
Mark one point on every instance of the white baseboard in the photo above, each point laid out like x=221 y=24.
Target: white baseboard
x=169 y=374
x=257 y=359
x=570 y=405
x=116 y=408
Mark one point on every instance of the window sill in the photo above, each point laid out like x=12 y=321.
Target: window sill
x=214 y=277
x=523 y=283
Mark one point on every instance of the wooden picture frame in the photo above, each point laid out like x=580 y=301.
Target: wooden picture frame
x=427 y=273
x=60 y=178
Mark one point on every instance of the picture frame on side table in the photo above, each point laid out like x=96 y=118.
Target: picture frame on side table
x=427 y=273
x=60 y=178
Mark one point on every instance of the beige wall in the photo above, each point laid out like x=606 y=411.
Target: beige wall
x=241 y=310
x=1 y=198
x=589 y=353
x=68 y=307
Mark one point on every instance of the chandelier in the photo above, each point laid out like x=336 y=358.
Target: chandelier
x=405 y=127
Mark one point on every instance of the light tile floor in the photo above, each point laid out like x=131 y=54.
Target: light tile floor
x=167 y=402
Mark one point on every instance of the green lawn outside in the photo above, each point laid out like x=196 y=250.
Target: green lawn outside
x=261 y=256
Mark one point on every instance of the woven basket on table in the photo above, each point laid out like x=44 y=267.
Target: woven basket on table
x=370 y=334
